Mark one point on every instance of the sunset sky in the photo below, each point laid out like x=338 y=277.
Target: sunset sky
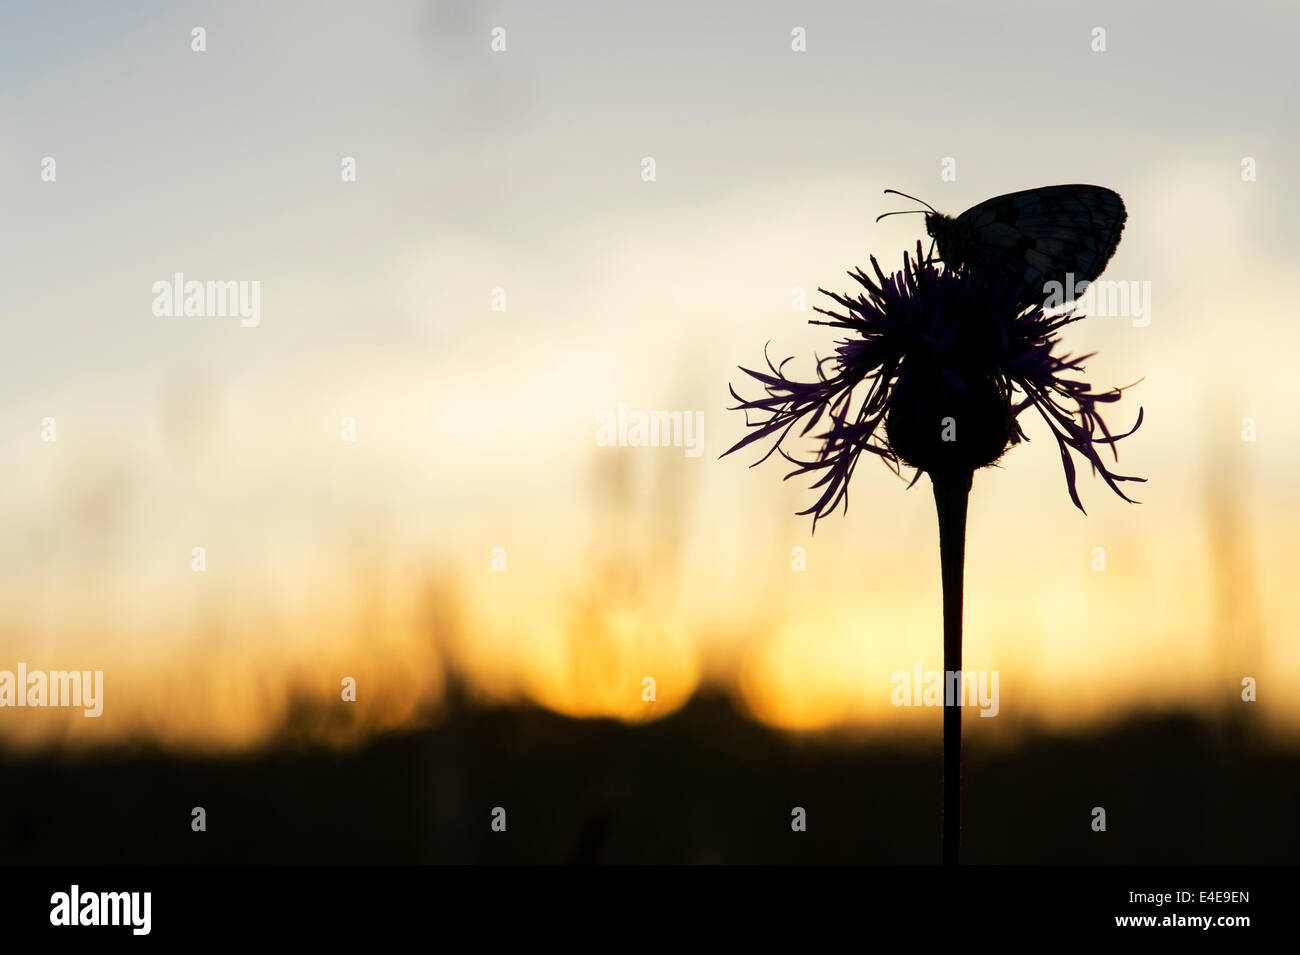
x=476 y=429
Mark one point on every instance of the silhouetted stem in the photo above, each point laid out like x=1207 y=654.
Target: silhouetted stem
x=951 y=493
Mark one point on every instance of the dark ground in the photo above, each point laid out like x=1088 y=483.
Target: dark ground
x=702 y=785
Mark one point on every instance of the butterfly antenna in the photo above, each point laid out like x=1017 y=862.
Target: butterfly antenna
x=913 y=198
x=908 y=212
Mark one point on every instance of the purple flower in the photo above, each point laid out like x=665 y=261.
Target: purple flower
x=938 y=367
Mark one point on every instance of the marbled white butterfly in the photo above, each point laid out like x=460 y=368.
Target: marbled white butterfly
x=1038 y=235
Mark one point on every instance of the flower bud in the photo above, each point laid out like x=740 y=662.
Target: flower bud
x=935 y=426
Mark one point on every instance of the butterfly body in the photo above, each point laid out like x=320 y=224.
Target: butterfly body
x=1037 y=236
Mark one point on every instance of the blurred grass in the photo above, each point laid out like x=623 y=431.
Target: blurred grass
x=702 y=785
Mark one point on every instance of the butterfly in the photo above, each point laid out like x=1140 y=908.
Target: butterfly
x=1055 y=234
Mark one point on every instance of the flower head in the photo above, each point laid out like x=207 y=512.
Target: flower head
x=939 y=365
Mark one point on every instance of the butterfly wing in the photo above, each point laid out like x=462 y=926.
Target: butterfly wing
x=1039 y=235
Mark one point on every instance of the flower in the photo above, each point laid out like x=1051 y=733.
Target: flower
x=937 y=370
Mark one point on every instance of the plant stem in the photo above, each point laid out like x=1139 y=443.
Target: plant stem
x=951 y=493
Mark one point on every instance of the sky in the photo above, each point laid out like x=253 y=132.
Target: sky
x=520 y=172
